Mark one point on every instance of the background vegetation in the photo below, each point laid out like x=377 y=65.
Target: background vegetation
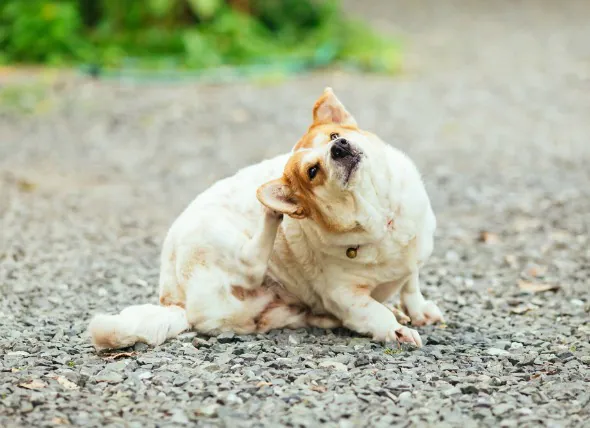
x=188 y=34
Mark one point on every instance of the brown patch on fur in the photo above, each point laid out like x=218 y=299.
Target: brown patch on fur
x=197 y=258
x=322 y=321
x=167 y=299
x=173 y=294
x=106 y=341
x=362 y=290
x=253 y=279
x=262 y=320
x=242 y=293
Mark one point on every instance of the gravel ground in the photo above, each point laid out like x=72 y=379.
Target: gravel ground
x=494 y=108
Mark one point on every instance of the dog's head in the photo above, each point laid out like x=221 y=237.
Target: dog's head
x=323 y=169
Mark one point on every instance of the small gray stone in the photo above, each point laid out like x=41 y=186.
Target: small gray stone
x=116 y=366
x=502 y=344
x=201 y=343
x=26 y=407
x=179 y=416
x=227 y=337
x=208 y=410
x=451 y=391
x=140 y=347
x=496 y=351
x=109 y=377
x=501 y=409
x=565 y=355
x=179 y=380
x=335 y=365
x=405 y=396
x=469 y=389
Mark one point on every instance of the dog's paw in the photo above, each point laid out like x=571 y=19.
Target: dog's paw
x=274 y=215
x=428 y=313
x=400 y=316
x=404 y=335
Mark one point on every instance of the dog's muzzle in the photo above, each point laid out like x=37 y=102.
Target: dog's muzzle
x=344 y=154
x=341 y=149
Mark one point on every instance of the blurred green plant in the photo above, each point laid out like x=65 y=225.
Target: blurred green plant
x=193 y=34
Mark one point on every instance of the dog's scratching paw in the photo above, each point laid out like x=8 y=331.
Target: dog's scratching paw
x=274 y=215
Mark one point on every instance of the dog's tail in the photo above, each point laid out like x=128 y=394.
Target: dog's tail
x=151 y=324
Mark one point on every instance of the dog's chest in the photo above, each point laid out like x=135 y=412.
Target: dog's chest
x=386 y=261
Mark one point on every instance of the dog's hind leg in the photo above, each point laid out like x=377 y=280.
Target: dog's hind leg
x=279 y=315
x=255 y=253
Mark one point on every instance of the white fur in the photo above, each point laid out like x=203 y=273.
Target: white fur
x=226 y=239
x=149 y=324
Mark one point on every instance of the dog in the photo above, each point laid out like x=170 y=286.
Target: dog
x=321 y=237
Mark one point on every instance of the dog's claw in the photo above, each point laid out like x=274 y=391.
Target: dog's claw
x=405 y=335
x=401 y=317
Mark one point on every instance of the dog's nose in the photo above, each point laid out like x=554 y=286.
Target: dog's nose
x=340 y=149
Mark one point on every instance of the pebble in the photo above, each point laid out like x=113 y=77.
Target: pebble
x=496 y=352
x=140 y=347
x=501 y=409
x=227 y=337
x=335 y=365
x=405 y=396
x=117 y=366
x=452 y=391
x=179 y=380
x=201 y=343
x=109 y=377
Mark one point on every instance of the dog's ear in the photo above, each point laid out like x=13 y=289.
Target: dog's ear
x=276 y=195
x=329 y=109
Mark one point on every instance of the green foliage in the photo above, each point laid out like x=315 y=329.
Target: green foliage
x=192 y=34
x=393 y=351
x=41 y=31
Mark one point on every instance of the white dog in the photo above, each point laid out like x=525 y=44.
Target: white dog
x=357 y=228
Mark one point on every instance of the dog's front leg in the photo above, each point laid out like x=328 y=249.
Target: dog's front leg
x=420 y=310
x=363 y=314
x=255 y=253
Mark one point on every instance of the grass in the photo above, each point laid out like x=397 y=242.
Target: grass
x=393 y=351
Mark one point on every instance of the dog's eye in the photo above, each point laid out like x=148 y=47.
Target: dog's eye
x=334 y=135
x=313 y=171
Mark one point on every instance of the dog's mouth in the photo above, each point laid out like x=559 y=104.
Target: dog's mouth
x=346 y=157
x=351 y=167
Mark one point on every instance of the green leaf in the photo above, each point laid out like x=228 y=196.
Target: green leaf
x=161 y=8
x=205 y=9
